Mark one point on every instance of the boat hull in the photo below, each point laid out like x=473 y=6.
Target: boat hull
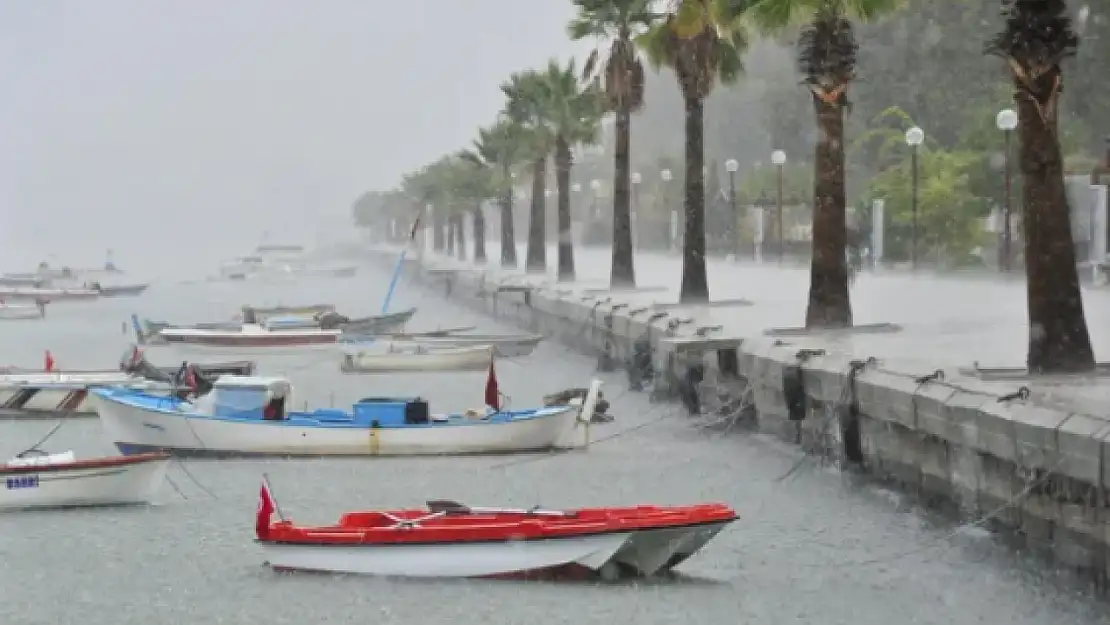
x=13 y=313
x=134 y=429
x=504 y=346
x=100 y=482
x=641 y=553
x=48 y=294
x=413 y=359
x=124 y=290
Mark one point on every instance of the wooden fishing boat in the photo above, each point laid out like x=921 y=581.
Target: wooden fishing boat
x=408 y=356
x=122 y=290
x=38 y=480
x=360 y=326
x=48 y=294
x=13 y=312
x=35 y=394
x=248 y=416
x=449 y=539
x=252 y=337
x=259 y=314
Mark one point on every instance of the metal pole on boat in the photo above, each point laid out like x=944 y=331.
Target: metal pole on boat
x=277 y=506
x=393 y=281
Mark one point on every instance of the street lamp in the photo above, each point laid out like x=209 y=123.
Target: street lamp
x=778 y=159
x=731 y=166
x=1007 y=121
x=914 y=138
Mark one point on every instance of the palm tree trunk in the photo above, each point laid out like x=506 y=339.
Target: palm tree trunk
x=536 y=261
x=562 y=185
x=450 y=244
x=460 y=234
x=478 y=220
x=695 y=280
x=829 y=304
x=438 y=227
x=508 y=232
x=1058 y=337
x=623 y=273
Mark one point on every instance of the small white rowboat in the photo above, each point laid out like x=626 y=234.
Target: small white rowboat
x=61 y=480
x=506 y=345
x=404 y=356
x=9 y=312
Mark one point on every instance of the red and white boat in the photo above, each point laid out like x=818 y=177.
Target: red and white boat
x=452 y=540
x=252 y=336
x=39 y=480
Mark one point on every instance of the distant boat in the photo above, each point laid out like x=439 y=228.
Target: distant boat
x=9 y=312
x=49 y=294
x=252 y=336
x=121 y=290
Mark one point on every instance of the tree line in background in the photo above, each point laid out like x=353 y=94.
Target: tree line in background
x=925 y=64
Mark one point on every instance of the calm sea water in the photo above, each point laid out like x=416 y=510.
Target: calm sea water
x=814 y=549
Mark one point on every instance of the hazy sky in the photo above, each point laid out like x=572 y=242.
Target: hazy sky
x=195 y=125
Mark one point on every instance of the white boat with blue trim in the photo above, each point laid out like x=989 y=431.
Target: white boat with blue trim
x=248 y=416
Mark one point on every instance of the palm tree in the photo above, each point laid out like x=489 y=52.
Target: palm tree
x=622 y=77
x=477 y=183
x=703 y=41
x=1036 y=39
x=525 y=108
x=498 y=148
x=827 y=61
x=573 y=115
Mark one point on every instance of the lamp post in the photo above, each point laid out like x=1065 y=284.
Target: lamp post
x=732 y=166
x=635 y=179
x=778 y=158
x=1007 y=121
x=914 y=138
x=673 y=231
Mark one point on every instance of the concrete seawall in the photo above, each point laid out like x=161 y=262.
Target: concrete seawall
x=1028 y=456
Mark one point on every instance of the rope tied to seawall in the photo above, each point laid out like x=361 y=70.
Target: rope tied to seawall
x=1022 y=394
x=936 y=376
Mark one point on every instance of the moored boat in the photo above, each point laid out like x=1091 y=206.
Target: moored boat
x=121 y=290
x=405 y=356
x=448 y=539
x=13 y=312
x=49 y=294
x=38 y=480
x=247 y=415
x=251 y=336
x=33 y=394
x=505 y=345
x=259 y=314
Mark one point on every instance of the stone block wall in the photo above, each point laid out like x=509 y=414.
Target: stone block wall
x=1003 y=460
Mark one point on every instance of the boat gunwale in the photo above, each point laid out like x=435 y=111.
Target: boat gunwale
x=90 y=463
x=356 y=538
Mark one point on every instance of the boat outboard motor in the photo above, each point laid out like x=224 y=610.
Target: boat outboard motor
x=249 y=315
x=134 y=362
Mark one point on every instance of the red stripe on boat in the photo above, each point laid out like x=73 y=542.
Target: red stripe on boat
x=91 y=463
x=275 y=338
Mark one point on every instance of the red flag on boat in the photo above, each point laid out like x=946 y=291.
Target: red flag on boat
x=265 y=511
x=48 y=362
x=493 y=395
